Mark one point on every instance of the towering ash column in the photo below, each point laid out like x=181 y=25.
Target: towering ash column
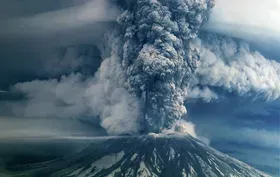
x=158 y=54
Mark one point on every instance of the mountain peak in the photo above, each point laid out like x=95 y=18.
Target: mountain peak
x=150 y=155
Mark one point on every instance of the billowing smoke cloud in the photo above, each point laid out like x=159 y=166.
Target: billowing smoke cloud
x=152 y=62
x=119 y=111
x=159 y=57
x=142 y=82
x=101 y=97
x=51 y=98
x=233 y=66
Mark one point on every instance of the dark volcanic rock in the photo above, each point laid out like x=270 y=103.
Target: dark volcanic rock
x=146 y=156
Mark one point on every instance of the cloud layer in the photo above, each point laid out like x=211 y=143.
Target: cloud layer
x=234 y=67
x=62 y=20
x=253 y=20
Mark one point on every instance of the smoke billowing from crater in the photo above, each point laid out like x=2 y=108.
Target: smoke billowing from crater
x=153 y=60
x=148 y=60
x=159 y=56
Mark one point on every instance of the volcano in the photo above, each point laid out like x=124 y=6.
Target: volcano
x=153 y=155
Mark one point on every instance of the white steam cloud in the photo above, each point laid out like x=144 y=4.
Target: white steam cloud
x=101 y=97
x=232 y=66
x=51 y=98
x=119 y=110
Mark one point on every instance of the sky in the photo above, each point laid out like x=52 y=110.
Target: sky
x=253 y=20
x=47 y=70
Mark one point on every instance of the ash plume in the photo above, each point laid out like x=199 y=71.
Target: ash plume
x=152 y=59
x=158 y=55
x=147 y=62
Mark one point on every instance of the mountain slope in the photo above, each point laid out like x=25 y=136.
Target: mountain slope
x=145 y=156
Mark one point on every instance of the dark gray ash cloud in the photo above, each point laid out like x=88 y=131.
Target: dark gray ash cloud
x=150 y=61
